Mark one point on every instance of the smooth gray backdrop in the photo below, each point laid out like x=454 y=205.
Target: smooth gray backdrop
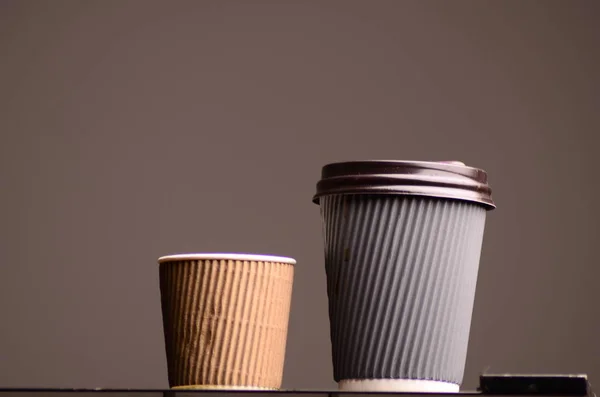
x=132 y=129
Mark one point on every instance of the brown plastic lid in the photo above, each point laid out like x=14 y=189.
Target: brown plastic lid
x=444 y=179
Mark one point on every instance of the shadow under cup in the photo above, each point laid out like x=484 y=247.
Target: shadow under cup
x=402 y=248
x=225 y=319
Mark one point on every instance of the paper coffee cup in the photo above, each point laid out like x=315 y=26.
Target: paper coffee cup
x=225 y=319
x=402 y=248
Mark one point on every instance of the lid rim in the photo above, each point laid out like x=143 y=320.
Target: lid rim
x=443 y=179
x=389 y=192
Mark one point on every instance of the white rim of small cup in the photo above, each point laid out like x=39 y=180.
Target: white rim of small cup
x=226 y=257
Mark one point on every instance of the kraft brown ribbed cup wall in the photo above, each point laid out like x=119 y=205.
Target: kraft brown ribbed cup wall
x=225 y=321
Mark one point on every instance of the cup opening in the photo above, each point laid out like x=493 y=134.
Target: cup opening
x=226 y=256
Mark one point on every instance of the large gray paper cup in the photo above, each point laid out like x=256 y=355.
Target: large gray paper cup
x=402 y=247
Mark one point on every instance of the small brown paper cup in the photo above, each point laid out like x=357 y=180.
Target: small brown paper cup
x=225 y=319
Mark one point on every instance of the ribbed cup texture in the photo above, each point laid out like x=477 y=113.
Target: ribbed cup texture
x=225 y=322
x=401 y=275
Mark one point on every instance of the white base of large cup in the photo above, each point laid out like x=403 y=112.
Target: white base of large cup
x=398 y=385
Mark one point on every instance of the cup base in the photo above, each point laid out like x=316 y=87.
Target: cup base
x=220 y=387
x=398 y=385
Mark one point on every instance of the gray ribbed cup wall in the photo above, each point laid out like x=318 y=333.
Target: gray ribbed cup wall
x=401 y=275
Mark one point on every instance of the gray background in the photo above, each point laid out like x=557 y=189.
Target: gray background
x=132 y=129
